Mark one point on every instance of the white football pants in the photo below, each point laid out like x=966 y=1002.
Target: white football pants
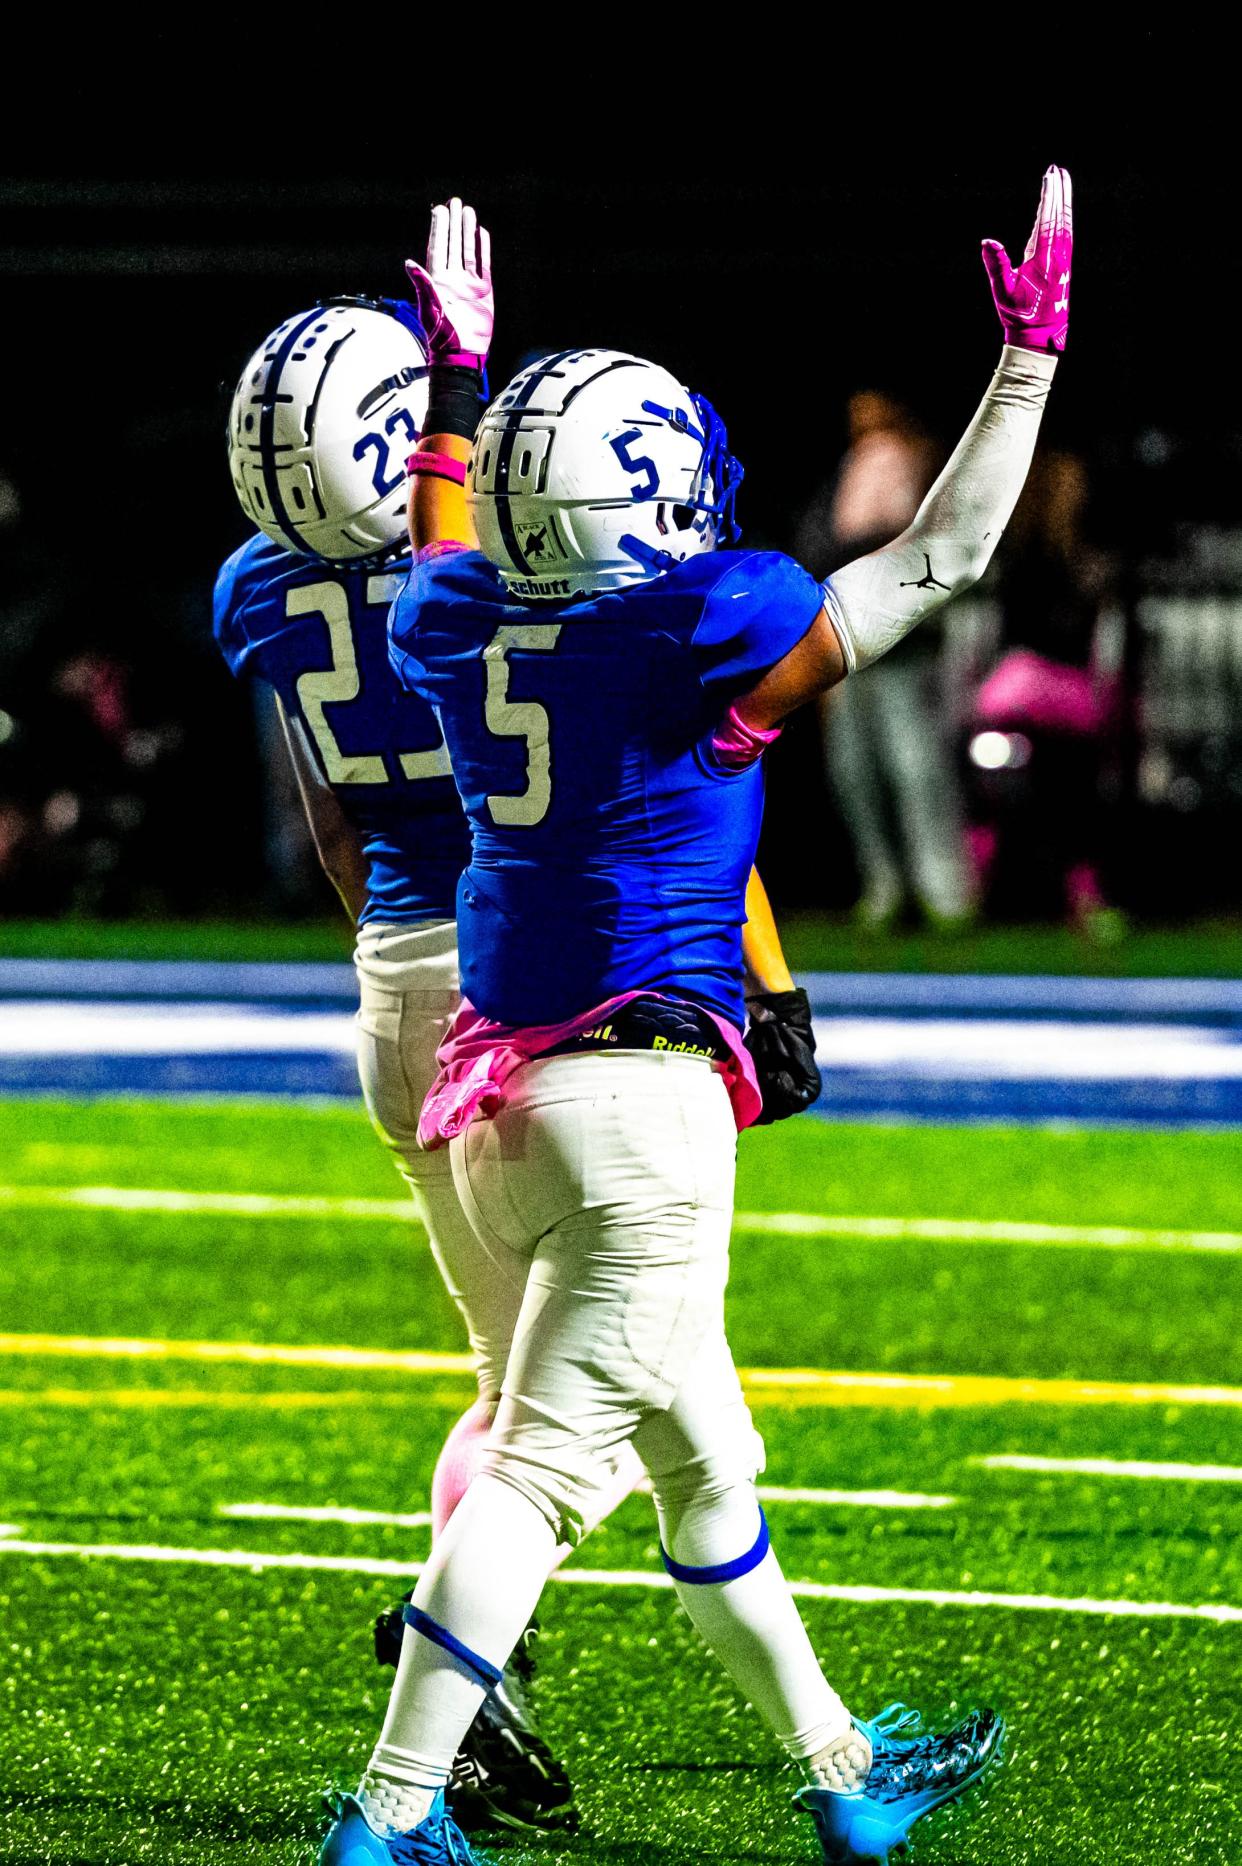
x=602 y=1191
x=656 y=1138
x=602 y=1195
x=409 y=990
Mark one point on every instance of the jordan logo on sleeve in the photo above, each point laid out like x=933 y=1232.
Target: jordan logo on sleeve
x=928 y=582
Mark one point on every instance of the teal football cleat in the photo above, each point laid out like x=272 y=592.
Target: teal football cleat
x=909 y=1776
x=436 y=1841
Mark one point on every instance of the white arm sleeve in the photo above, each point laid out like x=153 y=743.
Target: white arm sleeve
x=875 y=601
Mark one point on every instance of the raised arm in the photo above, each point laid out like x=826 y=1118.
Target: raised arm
x=453 y=292
x=874 y=602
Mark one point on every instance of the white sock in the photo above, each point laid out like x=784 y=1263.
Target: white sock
x=842 y=1766
x=481 y=1583
x=752 y=1623
x=755 y=1630
x=398 y=1789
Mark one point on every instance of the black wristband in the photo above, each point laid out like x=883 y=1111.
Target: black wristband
x=455 y=401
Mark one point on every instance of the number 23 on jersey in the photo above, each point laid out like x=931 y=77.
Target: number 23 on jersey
x=341 y=683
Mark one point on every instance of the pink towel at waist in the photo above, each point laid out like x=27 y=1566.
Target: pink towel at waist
x=478 y=1057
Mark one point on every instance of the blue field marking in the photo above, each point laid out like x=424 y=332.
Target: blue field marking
x=912 y=994
x=849 y=1095
x=892 y=1048
x=915 y=994
x=864 y=1095
x=331 y=985
x=280 y=1075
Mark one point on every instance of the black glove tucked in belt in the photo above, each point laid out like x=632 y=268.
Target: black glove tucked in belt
x=781 y=1039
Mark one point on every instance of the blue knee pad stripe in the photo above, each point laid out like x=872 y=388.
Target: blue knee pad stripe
x=725 y=1570
x=484 y=1670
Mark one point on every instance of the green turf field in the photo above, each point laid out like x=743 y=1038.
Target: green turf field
x=177 y=1711
x=812 y=941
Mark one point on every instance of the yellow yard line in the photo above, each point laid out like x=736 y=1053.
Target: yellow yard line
x=783 y=1385
x=173 y=1399
x=808 y=1385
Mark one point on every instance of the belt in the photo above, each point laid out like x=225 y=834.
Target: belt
x=661 y=1024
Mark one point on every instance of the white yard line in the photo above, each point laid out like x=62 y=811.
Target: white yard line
x=258 y=1561
x=944 y=1048
x=983 y=1231
x=208 y=1399
x=313 y=1513
x=421 y=1519
x=1045 y=1049
x=56 y=1027
x=775 y=1224
x=1114 y=1467
x=856 y=1499
x=224 y=1204
x=796 y=1385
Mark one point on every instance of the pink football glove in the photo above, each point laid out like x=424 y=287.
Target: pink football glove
x=453 y=291
x=1033 y=302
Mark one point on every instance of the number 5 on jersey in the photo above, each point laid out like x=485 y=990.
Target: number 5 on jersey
x=520 y=719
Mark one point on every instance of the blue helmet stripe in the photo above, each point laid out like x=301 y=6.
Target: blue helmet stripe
x=267 y=433
x=504 y=517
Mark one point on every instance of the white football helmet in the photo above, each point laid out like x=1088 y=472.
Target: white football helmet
x=326 y=411
x=594 y=469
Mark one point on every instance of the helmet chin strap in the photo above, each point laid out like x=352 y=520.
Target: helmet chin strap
x=646 y=554
x=374 y=560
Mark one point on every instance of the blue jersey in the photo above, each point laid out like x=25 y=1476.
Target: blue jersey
x=611 y=849
x=319 y=636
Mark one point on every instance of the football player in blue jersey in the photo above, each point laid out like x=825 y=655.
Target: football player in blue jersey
x=606 y=678
x=321 y=423
x=324 y=415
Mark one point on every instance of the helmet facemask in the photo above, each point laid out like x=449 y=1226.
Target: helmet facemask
x=610 y=464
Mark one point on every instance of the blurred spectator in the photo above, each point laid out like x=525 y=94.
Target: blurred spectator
x=113 y=712
x=1045 y=721
x=80 y=776
x=885 y=745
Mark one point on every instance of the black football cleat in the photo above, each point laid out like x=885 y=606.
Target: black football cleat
x=504 y=1774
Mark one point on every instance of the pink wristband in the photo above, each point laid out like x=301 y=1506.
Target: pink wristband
x=737 y=745
x=440 y=466
x=440 y=547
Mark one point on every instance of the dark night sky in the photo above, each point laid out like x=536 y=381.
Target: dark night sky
x=776 y=243
x=146 y=296
x=798 y=223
